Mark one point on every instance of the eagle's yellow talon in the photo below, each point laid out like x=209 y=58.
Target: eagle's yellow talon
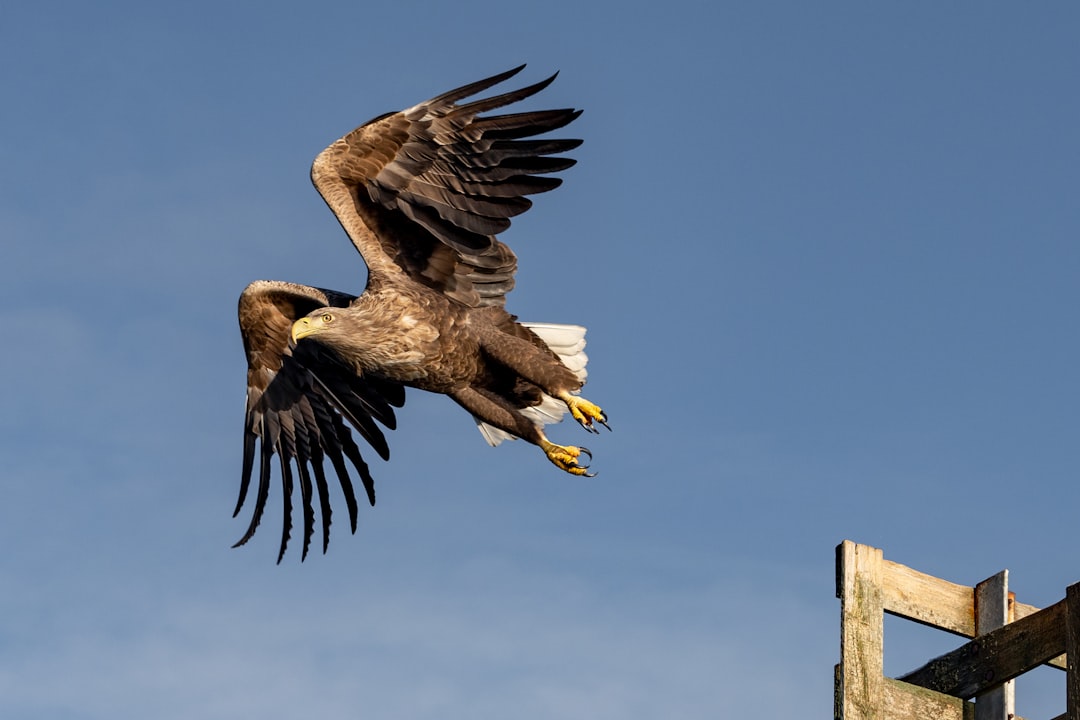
x=565 y=457
x=584 y=411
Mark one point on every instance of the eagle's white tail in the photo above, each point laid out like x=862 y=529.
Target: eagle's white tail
x=566 y=341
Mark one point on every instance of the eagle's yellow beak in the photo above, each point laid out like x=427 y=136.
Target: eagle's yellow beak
x=302 y=328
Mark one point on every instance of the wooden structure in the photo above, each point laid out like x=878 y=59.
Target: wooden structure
x=1009 y=639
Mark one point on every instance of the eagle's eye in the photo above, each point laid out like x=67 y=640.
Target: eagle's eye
x=327 y=317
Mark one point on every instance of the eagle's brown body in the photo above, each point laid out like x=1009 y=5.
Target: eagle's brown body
x=421 y=193
x=445 y=347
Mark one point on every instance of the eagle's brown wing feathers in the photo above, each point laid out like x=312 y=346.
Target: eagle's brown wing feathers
x=436 y=182
x=296 y=400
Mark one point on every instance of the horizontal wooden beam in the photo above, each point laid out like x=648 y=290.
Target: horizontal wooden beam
x=903 y=701
x=929 y=600
x=996 y=657
x=1022 y=610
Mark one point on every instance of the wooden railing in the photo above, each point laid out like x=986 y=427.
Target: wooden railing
x=1009 y=639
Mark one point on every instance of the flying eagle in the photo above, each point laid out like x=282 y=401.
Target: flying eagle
x=421 y=193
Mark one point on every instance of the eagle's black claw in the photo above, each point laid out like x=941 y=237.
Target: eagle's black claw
x=585 y=451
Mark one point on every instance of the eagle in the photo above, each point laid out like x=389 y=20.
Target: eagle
x=422 y=194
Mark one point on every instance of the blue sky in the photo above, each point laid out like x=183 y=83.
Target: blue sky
x=828 y=256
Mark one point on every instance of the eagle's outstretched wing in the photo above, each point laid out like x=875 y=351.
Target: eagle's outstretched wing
x=428 y=188
x=297 y=403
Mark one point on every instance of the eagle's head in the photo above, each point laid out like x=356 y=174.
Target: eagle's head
x=319 y=322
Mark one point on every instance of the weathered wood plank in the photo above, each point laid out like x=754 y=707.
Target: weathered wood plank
x=911 y=702
x=1000 y=655
x=929 y=600
x=862 y=626
x=1022 y=610
x=992 y=611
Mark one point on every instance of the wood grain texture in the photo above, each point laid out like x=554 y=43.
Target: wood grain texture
x=928 y=600
x=862 y=681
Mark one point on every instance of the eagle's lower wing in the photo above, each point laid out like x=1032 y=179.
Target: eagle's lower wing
x=431 y=186
x=297 y=402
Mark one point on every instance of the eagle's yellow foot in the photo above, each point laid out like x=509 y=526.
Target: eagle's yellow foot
x=584 y=412
x=565 y=457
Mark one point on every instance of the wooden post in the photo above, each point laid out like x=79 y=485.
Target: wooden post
x=861 y=677
x=1072 y=652
x=992 y=610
